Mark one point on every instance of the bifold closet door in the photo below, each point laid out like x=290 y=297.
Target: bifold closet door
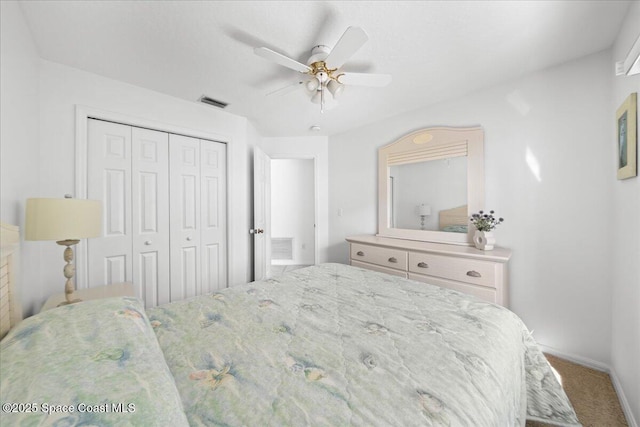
x=213 y=208
x=164 y=205
x=109 y=180
x=184 y=190
x=198 y=216
x=150 y=215
x=128 y=172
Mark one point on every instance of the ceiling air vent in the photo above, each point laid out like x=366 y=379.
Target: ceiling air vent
x=212 y=101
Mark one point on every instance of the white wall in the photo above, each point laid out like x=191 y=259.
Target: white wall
x=625 y=253
x=19 y=127
x=557 y=226
x=61 y=89
x=293 y=208
x=19 y=110
x=311 y=147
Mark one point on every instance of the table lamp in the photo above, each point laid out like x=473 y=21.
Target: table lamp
x=66 y=221
x=423 y=211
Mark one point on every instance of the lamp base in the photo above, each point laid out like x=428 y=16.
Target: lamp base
x=69 y=270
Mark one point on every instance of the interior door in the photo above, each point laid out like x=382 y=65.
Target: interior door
x=261 y=214
x=109 y=180
x=213 y=170
x=150 y=214
x=165 y=212
x=184 y=211
x=293 y=213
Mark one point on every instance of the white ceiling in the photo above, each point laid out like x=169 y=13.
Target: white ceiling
x=433 y=49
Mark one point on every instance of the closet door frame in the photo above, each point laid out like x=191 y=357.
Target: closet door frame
x=82 y=115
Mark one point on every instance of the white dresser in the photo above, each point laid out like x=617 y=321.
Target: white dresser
x=462 y=268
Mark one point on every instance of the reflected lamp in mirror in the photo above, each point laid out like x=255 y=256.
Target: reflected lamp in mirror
x=423 y=211
x=66 y=221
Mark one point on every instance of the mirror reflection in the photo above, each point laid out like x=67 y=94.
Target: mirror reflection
x=429 y=195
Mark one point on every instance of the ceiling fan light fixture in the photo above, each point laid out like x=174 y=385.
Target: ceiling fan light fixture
x=313 y=84
x=324 y=83
x=324 y=98
x=317 y=97
x=335 y=88
x=322 y=77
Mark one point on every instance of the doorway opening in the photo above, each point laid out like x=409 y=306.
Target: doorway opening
x=293 y=210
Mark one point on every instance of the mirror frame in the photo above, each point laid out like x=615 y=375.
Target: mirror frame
x=419 y=146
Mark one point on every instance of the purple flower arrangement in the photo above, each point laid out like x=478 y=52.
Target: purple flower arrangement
x=485 y=221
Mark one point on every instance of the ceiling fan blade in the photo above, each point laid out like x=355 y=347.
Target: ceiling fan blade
x=350 y=42
x=364 y=79
x=281 y=59
x=285 y=90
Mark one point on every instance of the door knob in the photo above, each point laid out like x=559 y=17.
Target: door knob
x=148 y=242
x=256 y=231
x=188 y=239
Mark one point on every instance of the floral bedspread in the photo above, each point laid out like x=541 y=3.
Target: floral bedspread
x=334 y=345
x=95 y=363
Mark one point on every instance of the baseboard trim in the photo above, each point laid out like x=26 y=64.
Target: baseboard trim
x=584 y=361
x=589 y=363
x=623 y=399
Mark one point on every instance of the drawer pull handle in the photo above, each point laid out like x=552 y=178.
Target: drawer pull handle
x=423 y=265
x=392 y=259
x=473 y=273
x=360 y=253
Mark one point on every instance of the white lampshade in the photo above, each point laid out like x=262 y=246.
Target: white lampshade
x=424 y=210
x=63 y=219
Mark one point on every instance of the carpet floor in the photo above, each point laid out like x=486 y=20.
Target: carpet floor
x=591 y=393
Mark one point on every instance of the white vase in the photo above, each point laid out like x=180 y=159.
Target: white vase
x=484 y=240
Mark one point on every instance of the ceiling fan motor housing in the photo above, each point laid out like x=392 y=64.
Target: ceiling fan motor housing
x=319 y=70
x=319 y=53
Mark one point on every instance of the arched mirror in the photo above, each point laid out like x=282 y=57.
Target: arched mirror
x=429 y=183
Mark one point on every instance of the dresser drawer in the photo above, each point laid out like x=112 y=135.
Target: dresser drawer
x=481 y=273
x=391 y=258
x=482 y=292
x=378 y=268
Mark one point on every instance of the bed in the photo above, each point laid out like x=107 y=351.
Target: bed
x=327 y=345
x=10 y=308
x=454 y=220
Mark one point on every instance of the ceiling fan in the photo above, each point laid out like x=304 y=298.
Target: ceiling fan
x=326 y=80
